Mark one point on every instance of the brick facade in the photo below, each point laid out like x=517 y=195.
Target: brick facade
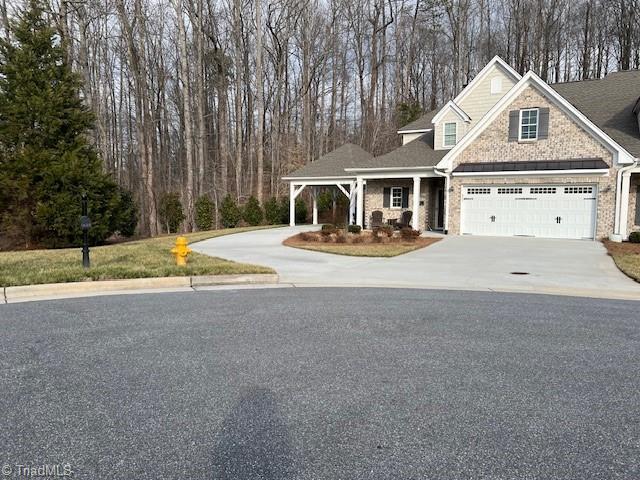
x=374 y=200
x=567 y=140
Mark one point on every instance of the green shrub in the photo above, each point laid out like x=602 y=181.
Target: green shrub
x=230 y=213
x=325 y=201
x=328 y=229
x=252 y=212
x=301 y=210
x=204 y=213
x=170 y=212
x=272 y=212
x=409 y=234
x=634 y=237
x=354 y=229
x=125 y=218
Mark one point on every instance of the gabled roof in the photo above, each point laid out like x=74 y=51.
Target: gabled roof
x=332 y=164
x=417 y=153
x=422 y=124
x=609 y=103
x=531 y=79
x=451 y=105
x=495 y=61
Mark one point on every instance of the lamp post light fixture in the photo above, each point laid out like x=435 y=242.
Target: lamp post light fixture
x=85 y=225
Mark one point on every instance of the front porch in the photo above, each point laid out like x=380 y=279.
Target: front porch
x=423 y=194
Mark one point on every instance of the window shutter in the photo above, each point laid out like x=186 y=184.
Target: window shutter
x=405 y=197
x=543 y=124
x=386 y=197
x=514 y=120
x=638 y=206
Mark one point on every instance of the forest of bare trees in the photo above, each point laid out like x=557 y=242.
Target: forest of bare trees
x=217 y=97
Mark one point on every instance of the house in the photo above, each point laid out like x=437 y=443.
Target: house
x=510 y=155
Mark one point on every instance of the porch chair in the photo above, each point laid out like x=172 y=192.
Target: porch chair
x=405 y=219
x=376 y=219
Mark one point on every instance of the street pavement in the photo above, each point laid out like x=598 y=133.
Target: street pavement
x=322 y=383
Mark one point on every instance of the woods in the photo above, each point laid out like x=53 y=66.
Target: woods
x=223 y=97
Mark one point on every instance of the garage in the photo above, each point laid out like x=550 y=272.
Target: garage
x=550 y=211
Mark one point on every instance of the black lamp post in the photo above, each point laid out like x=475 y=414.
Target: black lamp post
x=85 y=224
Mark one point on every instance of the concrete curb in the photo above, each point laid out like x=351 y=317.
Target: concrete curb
x=143 y=285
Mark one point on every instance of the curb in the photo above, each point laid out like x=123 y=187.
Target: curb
x=78 y=289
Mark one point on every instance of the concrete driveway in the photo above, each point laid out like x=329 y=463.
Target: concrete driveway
x=570 y=267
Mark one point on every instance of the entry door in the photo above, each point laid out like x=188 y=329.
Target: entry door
x=551 y=211
x=439 y=208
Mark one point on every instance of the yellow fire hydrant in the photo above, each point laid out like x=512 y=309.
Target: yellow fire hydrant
x=181 y=251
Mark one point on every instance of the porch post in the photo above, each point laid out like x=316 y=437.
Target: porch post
x=360 y=202
x=292 y=205
x=314 y=194
x=352 y=203
x=624 y=203
x=415 y=219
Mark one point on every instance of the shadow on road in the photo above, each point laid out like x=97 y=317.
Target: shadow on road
x=253 y=442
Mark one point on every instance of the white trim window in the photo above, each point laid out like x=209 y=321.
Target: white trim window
x=450 y=134
x=528 y=124
x=396 y=197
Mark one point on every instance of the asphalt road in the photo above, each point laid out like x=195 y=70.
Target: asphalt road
x=322 y=384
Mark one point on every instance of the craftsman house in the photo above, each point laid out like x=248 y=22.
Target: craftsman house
x=510 y=155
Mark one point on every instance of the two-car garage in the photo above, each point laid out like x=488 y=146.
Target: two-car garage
x=551 y=211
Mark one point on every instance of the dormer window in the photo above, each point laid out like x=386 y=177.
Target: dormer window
x=450 y=134
x=529 y=124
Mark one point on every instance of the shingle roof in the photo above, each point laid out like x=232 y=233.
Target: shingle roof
x=609 y=103
x=333 y=163
x=417 y=153
x=422 y=123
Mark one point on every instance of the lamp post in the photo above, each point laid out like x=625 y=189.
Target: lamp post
x=85 y=224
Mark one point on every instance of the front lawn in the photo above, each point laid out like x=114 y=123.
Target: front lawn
x=366 y=246
x=139 y=259
x=626 y=256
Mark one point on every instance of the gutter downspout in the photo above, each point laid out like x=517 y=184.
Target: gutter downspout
x=447 y=180
x=617 y=235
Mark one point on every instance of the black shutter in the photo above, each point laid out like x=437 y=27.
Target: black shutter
x=543 y=124
x=638 y=206
x=514 y=125
x=386 y=197
x=405 y=197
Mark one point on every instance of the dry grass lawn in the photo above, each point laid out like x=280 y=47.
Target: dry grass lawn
x=361 y=249
x=138 y=259
x=626 y=256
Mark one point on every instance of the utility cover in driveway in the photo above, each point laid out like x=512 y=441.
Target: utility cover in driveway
x=550 y=211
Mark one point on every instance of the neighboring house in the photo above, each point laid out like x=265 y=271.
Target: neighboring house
x=510 y=155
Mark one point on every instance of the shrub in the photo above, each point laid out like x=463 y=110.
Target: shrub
x=301 y=210
x=409 y=234
x=328 y=229
x=634 y=237
x=354 y=229
x=204 y=213
x=125 y=218
x=341 y=237
x=357 y=239
x=252 y=212
x=325 y=201
x=170 y=212
x=272 y=212
x=387 y=230
x=230 y=213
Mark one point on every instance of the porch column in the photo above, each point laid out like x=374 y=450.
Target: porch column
x=360 y=201
x=292 y=205
x=415 y=219
x=314 y=194
x=624 y=203
x=352 y=203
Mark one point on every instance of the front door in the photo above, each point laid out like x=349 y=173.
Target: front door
x=439 y=209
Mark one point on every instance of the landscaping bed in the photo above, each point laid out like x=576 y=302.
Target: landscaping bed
x=626 y=256
x=139 y=259
x=380 y=243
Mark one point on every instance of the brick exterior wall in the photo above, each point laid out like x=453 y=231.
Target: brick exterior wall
x=567 y=140
x=374 y=198
x=635 y=182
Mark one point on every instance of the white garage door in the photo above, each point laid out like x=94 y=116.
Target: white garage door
x=552 y=211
